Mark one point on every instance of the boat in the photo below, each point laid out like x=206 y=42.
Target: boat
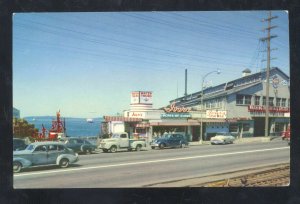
x=89 y=120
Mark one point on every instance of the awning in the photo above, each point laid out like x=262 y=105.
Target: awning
x=142 y=125
x=121 y=118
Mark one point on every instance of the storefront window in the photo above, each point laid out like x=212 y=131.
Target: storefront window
x=233 y=127
x=271 y=103
x=264 y=100
x=246 y=127
x=239 y=99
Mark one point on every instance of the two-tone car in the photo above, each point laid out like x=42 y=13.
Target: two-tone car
x=222 y=138
x=79 y=145
x=43 y=153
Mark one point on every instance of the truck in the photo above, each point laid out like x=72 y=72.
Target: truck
x=121 y=141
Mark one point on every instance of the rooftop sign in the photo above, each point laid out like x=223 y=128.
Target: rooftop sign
x=175 y=109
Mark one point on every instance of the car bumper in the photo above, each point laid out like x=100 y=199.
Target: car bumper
x=217 y=142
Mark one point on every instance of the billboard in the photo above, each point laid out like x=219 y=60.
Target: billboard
x=216 y=114
x=141 y=97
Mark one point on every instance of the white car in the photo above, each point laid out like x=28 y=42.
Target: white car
x=222 y=138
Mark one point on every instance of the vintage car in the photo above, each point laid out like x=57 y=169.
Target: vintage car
x=222 y=138
x=43 y=153
x=19 y=144
x=170 y=140
x=80 y=145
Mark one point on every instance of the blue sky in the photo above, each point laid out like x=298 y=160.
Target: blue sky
x=87 y=64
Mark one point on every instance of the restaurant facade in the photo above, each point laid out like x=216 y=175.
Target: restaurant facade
x=236 y=106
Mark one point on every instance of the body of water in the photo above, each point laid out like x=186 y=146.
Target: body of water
x=74 y=126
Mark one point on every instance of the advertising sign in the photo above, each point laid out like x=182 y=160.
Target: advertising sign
x=216 y=114
x=141 y=97
x=175 y=115
x=146 y=97
x=135 y=97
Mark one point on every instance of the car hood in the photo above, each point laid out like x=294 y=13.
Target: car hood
x=21 y=152
x=160 y=140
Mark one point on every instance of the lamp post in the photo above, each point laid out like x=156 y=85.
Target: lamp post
x=201 y=122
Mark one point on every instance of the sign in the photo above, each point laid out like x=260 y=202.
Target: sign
x=275 y=82
x=176 y=115
x=146 y=97
x=136 y=115
x=216 y=114
x=141 y=97
x=175 y=109
x=254 y=108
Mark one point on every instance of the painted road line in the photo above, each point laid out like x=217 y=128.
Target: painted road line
x=147 y=162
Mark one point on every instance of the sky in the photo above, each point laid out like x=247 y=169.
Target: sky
x=87 y=64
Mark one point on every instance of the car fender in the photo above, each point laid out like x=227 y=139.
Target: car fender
x=71 y=158
x=25 y=163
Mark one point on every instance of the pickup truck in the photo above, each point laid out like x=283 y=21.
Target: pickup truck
x=119 y=141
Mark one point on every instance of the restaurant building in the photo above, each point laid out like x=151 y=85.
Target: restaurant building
x=236 y=106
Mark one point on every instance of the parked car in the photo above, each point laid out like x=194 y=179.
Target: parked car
x=80 y=145
x=222 y=138
x=43 y=153
x=18 y=144
x=170 y=140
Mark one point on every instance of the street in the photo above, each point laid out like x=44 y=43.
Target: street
x=140 y=169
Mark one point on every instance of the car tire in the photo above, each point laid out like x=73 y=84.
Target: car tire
x=64 y=163
x=17 y=166
x=162 y=146
x=152 y=147
x=105 y=150
x=138 y=148
x=113 y=149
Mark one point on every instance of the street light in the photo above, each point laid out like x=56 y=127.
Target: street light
x=201 y=123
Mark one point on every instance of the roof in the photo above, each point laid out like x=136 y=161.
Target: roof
x=121 y=118
x=46 y=142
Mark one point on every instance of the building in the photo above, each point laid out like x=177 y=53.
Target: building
x=236 y=106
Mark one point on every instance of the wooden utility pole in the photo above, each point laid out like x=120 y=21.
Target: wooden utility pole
x=268 y=39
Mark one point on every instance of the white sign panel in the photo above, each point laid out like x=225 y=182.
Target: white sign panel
x=216 y=114
x=135 y=97
x=137 y=114
x=146 y=97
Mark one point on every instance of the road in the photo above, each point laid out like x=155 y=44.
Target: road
x=141 y=169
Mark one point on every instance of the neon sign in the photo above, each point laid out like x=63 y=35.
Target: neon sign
x=173 y=108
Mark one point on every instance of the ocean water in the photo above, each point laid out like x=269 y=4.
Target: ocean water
x=75 y=127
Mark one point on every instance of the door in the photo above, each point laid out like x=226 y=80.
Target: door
x=52 y=154
x=124 y=141
x=177 y=140
x=39 y=155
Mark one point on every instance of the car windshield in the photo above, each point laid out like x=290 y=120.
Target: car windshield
x=166 y=136
x=115 y=136
x=30 y=147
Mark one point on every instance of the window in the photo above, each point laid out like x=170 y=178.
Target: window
x=283 y=102
x=41 y=148
x=278 y=100
x=239 y=99
x=257 y=100
x=247 y=99
x=61 y=148
x=123 y=136
x=264 y=101
x=52 y=147
x=233 y=127
x=246 y=127
x=271 y=101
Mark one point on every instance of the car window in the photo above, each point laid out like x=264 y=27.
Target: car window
x=41 y=148
x=52 y=147
x=123 y=136
x=61 y=148
x=73 y=141
x=80 y=141
x=30 y=147
x=86 y=142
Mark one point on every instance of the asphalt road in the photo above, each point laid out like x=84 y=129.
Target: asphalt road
x=139 y=169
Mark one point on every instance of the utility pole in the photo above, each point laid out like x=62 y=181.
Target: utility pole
x=268 y=39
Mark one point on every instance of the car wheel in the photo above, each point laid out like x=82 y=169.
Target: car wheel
x=152 y=147
x=224 y=141
x=17 y=166
x=138 y=148
x=64 y=163
x=113 y=149
x=162 y=146
x=105 y=150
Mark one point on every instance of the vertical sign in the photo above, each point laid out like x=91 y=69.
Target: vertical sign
x=135 y=97
x=146 y=97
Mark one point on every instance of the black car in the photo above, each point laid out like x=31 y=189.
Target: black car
x=170 y=140
x=18 y=144
x=80 y=145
